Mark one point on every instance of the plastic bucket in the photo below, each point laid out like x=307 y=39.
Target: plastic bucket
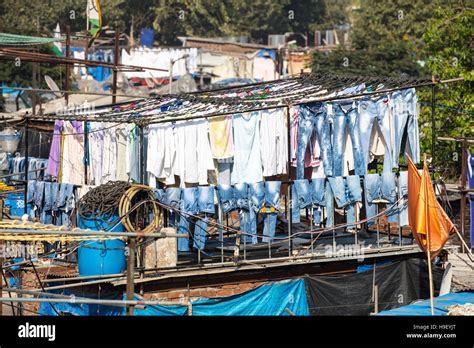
x=101 y=257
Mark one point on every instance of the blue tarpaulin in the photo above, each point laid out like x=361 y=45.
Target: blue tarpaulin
x=157 y=310
x=278 y=298
x=268 y=299
x=80 y=309
x=440 y=304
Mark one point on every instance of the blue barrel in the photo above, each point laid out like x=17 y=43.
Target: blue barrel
x=16 y=203
x=101 y=257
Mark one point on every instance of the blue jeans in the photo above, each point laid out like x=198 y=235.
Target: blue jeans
x=405 y=117
x=189 y=204
x=403 y=195
x=242 y=203
x=347 y=192
x=272 y=200
x=346 y=114
x=172 y=198
x=225 y=196
x=46 y=211
x=300 y=198
x=314 y=117
x=205 y=206
x=318 y=198
x=380 y=189
x=159 y=194
x=64 y=204
x=256 y=202
x=375 y=111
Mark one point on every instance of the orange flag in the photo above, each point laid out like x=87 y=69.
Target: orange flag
x=428 y=221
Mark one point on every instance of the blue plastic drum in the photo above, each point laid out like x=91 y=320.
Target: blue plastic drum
x=101 y=257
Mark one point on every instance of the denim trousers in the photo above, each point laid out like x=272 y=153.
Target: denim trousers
x=256 y=202
x=346 y=115
x=347 y=193
x=312 y=117
x=225 y=197
x=64 y=204
x=172 y=198
x=242 y=203
x=300 y=198
x=51 y=190
x=318 y=195
x=237 y=198
x=405 y=118
x=206 y=207
x=272 y=200
x=375 y=111
x=318 y=198
x=378 y=189
x=403 y=196
x=189 y=205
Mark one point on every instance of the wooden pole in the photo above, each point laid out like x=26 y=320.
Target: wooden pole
x=68 y=67
x=428 y=251
x=130 y=288
x=114 y=72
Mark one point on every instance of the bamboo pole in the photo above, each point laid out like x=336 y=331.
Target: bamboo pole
x=428 y=251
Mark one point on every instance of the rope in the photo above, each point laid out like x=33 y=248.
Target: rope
x=101 y=203
x=133 y=221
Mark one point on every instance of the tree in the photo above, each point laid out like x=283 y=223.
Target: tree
x=253 y=18
x=448 y=50
x=386 y=39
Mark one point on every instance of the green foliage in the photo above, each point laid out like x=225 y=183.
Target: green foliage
x=386 y=39
x=254 y=18
x=448 y=49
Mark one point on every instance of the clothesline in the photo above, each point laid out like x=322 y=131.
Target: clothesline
x=247 y=98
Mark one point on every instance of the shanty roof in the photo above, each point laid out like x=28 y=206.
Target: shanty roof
x=252 y=97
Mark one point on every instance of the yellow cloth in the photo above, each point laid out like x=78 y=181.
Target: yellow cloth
x=429 y=222
x=222 y=140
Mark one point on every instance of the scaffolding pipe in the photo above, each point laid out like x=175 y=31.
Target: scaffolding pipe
x=93 y=233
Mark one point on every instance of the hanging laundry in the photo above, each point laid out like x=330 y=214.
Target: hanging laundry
x=55 y=151
x=133 y=158
x=247 y=159
x=161 y=152
x=121 y=138
x=72 y=165
x=198 y=156
x=103 y=147
x=222 y=139
x=274 y=142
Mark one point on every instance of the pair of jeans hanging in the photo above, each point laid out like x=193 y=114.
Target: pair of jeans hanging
x=347 y=193
x=380 y=189
x=272 y=204
x=371 y=112
x=64 y=204
x=405 y=114
x=206 y=207
x=264 y=196
x=195 y=200
x=314 y=117
x=172 y=199
x=51 y=190
x=242 y=203
x=346 y=119
x=318 y=195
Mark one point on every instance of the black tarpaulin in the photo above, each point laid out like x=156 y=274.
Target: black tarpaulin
x=399 y=284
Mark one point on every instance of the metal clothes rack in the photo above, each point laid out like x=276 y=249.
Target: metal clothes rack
x=282 y=93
